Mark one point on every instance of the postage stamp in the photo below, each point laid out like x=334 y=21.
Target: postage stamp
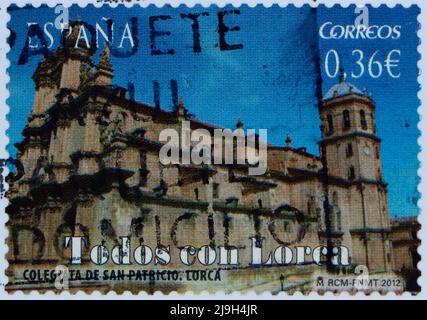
x=207 y=148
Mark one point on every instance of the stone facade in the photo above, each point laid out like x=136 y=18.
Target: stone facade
x=405 y=243
x=89 y=165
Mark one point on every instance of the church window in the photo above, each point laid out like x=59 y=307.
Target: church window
x=363 y=120
x=349 y=150
x=351 y=173
x=143 y=168
x=346 y=119
x=330 y=123
x=143 y=159
x=260 y=203
x=196 y=193
x=215 y=190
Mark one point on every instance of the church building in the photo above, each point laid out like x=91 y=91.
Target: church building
x=89 y=166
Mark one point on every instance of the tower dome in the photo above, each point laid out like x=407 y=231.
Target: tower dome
x=342 y=88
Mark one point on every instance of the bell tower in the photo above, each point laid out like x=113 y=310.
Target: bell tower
x=350 y=148
x=77 y=64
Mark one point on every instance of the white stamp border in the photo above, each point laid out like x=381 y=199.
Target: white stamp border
x=422 y=156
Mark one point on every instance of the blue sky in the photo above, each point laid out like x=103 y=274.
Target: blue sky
x=268 y=84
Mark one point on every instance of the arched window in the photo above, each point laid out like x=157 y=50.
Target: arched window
x=346 y=119
x=330 y=123
x=215 y=190
x=349 y=150
x=351 y=173
x=143 y=159
x=363 y=120
x=143 y=172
